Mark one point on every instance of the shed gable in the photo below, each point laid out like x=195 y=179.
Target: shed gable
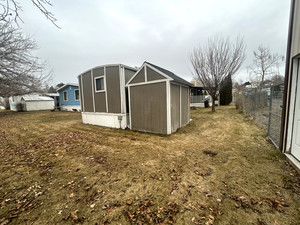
x=140 y=77
x=153 y=75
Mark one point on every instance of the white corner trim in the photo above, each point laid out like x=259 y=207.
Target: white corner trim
x=104 y=68
x=129 y=105
x=122 y=88
x=146 y=74
x=145 y=83
x=81 y=88
x=168 y=96
x=180 y=93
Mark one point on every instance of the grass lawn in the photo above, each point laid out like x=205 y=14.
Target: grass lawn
x=219 y=169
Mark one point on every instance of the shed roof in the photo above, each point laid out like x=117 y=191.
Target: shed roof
x=65 y=85
x=36 y=98
x=170 y=74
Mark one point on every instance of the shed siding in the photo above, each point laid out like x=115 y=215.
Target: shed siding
x=100 y=102
x=139 y=78
x=39 y=105
x=80 y=93
x=175 y=107
x=185 y=113
x=98 y=72
x=87 y=92
x=128 y=74
x=99 y=97
x=113 y=89
x=149 y=108
x=153 y=75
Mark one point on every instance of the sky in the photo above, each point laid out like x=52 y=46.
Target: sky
x=162 y=32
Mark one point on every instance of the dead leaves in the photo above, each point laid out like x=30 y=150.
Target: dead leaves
x=145 y=213
x=241 y=201
x=277 y=204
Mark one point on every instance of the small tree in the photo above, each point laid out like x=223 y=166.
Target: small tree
x=264 y=65
x=226 y=92
x=59 y=85
x=277 y=78
x=215 y=62
x=51 y=90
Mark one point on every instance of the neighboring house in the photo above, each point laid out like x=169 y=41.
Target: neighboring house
x=197 y=92
x=69 y=97
x=198 y=95
x=149 y=99
x=290 y=125
x=31 y=102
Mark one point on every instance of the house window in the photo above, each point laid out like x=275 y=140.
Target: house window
x=77 y=95
x=99 y=84
x=65 y=96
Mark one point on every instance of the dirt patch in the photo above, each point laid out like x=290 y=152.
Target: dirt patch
x=219 y=169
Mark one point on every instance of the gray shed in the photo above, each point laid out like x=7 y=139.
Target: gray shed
x=103 y=97
x=150 y=99
x=159 y=100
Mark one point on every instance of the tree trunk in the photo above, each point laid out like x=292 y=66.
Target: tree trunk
x=213 y=107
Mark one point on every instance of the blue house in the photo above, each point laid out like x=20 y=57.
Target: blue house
x=69 y=97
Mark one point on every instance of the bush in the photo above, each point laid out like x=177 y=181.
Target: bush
x=239 y=102
x=226 y=92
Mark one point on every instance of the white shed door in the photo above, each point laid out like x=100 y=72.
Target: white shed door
x=295 y=150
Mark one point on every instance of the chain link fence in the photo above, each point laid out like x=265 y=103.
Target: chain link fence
x=265 y=106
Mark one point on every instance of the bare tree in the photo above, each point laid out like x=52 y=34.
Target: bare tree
x=264 y=65
x=4 y=102
x=277 y=78
x=213 y=63
x=11 y=10
x=20 y=71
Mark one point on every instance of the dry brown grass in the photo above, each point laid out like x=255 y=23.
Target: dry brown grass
x=219 y=169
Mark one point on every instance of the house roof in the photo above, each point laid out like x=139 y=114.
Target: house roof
x=170 y=74
x=52 y=94
x=65 y=85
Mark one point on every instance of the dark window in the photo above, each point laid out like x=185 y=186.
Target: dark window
x=100 y=84
x=77 y=95
x=65 y=96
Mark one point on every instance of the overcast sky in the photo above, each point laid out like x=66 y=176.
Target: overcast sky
x=162 y=32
